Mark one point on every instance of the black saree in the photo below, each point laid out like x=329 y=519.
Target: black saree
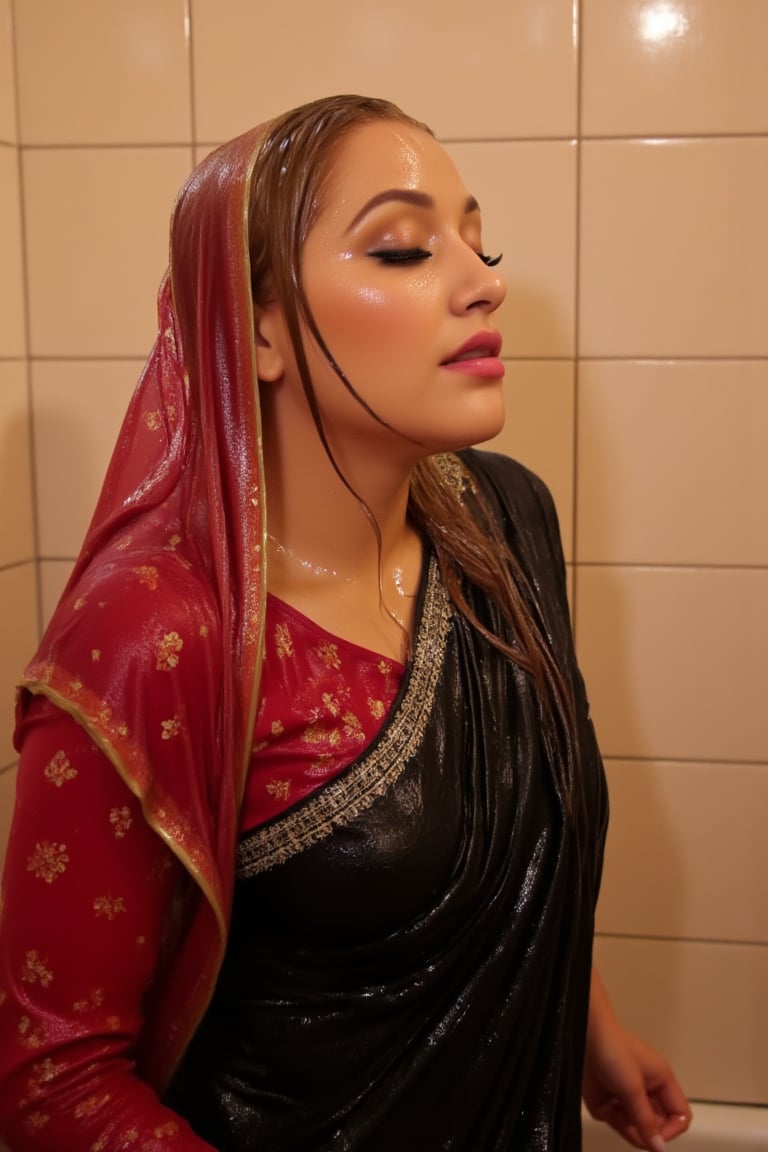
x=410 y=952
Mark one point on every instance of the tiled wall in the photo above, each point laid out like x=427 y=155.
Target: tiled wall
x=620 y=151
x=18 y=596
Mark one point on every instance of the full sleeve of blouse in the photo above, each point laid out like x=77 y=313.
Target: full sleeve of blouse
x=86 y=894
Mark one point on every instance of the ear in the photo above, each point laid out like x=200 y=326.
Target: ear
x=271 y=342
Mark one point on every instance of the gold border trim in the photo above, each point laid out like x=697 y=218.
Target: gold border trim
x=159 y=819
x=345 y=798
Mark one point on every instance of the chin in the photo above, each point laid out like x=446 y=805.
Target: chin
x=478 y=425
x=480 y=432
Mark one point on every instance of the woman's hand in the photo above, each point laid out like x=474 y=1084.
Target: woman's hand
x=627 y=1084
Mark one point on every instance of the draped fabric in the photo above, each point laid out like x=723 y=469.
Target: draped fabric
x=410 y=951
x=155 y=650
x=155 y=647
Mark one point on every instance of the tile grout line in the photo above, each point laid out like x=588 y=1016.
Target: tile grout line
x=31 y=440
x=578 y=16
x=628 y=138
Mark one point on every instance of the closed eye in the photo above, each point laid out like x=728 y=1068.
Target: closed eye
x=400 y=255
x=413 y=255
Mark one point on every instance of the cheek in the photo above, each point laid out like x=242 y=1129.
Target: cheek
x=359 y=318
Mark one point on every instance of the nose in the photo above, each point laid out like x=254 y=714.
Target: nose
x=478 y=287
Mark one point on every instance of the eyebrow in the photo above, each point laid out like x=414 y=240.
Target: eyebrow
x=405 y=196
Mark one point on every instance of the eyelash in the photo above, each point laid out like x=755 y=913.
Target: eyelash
x=400 y=255
x=413 y=255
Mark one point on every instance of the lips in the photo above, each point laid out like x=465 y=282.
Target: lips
x=478 y=356
x=480 y=345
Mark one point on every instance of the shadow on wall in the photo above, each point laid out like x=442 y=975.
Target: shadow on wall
x=19 y=619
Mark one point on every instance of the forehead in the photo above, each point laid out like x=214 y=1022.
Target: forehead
x=384 y=155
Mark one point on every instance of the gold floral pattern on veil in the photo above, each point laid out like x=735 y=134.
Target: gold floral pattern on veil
x=91 y=1105
x=37 y=1120
x=170 y=728
x=43 y=1072
x=48 y=861
x=121 y=820
x=109 y=906
x=170 y=1128
x=35 y=969
x=30 y=1036
x=167 y=651
x=94 y=1000
x=58 y=769
x=148 y=576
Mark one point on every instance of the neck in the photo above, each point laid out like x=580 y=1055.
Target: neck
x=324 y=556
x=315 y=516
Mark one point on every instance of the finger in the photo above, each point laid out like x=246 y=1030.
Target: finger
x=642 y=1114
x=672 y=1107
x=612 y=1113
x=671 y=1100
x=675 y=1125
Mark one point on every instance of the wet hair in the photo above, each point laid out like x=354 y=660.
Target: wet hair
x=291 y=175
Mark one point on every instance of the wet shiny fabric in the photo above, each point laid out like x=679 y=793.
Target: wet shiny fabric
x=419 y=979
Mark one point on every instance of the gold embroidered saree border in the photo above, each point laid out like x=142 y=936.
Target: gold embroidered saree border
x=345 y=798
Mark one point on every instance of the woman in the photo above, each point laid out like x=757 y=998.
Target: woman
x=310 y=814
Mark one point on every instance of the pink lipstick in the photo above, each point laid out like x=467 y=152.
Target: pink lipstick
x=478 y=356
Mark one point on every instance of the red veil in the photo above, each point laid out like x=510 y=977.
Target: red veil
x=155 y=646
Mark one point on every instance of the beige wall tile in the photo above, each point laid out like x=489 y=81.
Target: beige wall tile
x=663 y=875
x=672 y=462
x=7 y=799
x=674 y=68
x=53 y=577
x=16 y=527
x=674 y=248
x=676 y=661
x=539 y=430
x=705 y=1006
x=203 y=150
x=103 y=72
x=97 y=249
x=527 y=192
x=7 y=91
x=18 y=628
x=78 y=409
x=510 y=71
x=12 y=338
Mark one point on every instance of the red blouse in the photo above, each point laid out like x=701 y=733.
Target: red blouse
x=323 y=699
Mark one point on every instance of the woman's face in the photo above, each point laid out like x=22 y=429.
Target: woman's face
x=394 y=278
